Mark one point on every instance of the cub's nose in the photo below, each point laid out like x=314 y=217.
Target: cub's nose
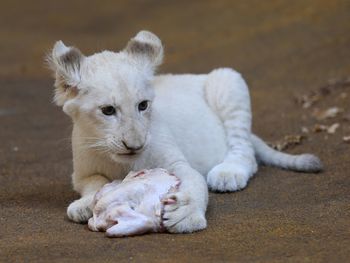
x=132 y=148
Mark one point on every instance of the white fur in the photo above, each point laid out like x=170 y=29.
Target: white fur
x=198 y=126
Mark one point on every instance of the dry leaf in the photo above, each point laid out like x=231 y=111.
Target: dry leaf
x=319 y=128
x=346 y=139
x=333 y=128
x=287 y=141
x=308 y=100
x=326 y=114
x=339 y=83
x=329 y=129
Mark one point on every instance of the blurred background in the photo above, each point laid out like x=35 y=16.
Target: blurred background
x=295 y=58
x=253 y=36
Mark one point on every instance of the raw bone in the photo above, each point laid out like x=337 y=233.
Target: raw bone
x=135 y=205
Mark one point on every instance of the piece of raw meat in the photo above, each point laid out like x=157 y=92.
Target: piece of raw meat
x=135 y=205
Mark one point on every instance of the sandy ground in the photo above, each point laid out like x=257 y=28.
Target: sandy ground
x=284 y=49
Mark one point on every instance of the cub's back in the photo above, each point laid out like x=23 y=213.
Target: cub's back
x=181 y=103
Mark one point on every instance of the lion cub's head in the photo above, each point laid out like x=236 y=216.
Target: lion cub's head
x=109 y=95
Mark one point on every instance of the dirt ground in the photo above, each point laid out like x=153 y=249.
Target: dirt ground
x=285 y=49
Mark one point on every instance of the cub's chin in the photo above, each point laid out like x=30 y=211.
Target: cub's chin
x=124 y=158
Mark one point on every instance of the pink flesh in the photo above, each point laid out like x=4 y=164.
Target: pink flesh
x=133 y=206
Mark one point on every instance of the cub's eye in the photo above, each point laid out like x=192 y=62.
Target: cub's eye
x=108 y=110
x=143 y=105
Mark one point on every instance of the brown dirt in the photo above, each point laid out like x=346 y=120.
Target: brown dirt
x=283 y=48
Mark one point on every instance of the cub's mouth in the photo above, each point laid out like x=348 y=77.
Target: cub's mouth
x=133 y=152
x=125 y=157
x=130 y=153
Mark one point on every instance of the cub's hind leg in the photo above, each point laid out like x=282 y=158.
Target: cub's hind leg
x=227 y=94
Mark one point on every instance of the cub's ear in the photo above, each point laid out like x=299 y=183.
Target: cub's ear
x=65 y=62
x=147 y=47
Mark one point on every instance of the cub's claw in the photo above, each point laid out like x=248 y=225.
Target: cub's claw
x=79 y=211
x=181 y=216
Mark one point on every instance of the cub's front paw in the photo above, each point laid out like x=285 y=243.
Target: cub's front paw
x=181 y=216
x=227 y=177
x=79 y=211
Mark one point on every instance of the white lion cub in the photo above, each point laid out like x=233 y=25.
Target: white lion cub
x=125 y=118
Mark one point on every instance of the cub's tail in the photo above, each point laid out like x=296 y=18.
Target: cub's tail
x=269 y=156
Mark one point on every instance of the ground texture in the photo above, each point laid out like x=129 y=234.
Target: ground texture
x=285 y=49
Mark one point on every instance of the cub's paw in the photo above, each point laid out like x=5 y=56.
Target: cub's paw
x=181 y=216
x=79 y=211
x=227 y=177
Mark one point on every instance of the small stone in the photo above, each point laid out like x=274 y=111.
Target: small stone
x=308 y=101
x=304 y=129
x=325 y=90
x=346 y=117
x=343 y=95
